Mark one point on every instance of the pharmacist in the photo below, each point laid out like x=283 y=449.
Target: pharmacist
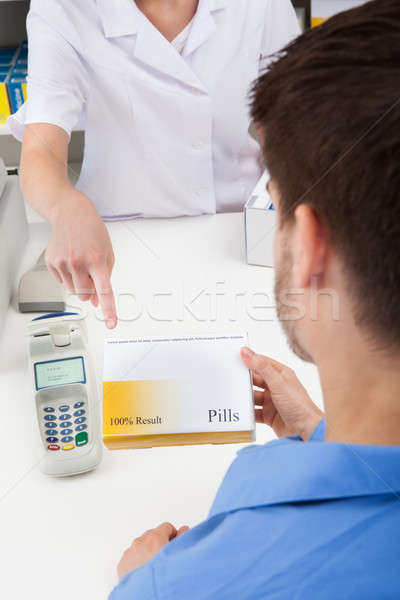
x=161 y=89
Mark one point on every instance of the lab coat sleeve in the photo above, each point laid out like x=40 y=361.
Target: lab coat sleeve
x=57 y=81
x=137 y=585
x=281 y=27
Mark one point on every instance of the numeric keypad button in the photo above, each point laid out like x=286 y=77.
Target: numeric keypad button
x=65 y=417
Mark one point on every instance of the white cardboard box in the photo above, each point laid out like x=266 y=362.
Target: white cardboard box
x=13 y=236
x=260 y=223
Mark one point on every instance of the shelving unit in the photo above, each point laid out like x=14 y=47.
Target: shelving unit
x=12 y=32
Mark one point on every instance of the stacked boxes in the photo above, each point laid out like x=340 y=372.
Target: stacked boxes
x=13 y=75
x=7 y=59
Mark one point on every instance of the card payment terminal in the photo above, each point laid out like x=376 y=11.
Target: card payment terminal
x=66 y=396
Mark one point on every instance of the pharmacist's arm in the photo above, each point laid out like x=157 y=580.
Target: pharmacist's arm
x=79 y=253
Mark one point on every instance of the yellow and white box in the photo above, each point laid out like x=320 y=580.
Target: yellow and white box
x=167 y=391
x=324 y=9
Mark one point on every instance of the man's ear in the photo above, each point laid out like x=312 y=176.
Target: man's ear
x=310 y=246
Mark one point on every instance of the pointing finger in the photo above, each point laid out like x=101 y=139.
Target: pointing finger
x=102 y=282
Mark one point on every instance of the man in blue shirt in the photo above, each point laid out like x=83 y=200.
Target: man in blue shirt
x=315 y=514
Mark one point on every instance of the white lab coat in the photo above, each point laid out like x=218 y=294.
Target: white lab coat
x=165 y=134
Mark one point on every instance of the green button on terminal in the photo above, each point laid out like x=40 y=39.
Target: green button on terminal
x=81 y=438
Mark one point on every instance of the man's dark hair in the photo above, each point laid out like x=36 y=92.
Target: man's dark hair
x=329 y=112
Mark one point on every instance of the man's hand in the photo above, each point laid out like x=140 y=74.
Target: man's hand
x=281 y=401
x=145 y=547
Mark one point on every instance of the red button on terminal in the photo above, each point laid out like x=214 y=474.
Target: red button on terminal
x=53 y=447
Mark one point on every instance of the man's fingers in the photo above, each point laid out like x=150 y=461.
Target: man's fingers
x=266 y=368
x=101 y=279
x=259 y=415
x=182 y=530
x=258 y=381
x=166 y=530
x=259 y=398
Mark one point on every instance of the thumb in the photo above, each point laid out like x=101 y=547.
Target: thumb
x=265 y=367
x=181 y=530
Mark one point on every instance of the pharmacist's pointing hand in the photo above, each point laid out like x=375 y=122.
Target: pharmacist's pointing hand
x=148 y=545
x=281 y=402
x=80 y=253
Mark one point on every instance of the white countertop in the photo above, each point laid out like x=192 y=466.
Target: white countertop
x=63 y=537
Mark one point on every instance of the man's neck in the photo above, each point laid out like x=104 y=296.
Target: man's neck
x=361 y=389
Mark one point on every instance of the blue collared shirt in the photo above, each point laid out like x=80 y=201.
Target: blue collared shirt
x=291 y=521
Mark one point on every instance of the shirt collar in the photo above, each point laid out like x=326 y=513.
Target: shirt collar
x=289 y=471
x=118 y=17
x=122 y=17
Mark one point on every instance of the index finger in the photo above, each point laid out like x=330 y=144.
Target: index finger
x=105 y=294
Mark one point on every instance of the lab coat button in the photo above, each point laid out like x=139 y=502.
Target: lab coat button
x=199 y=145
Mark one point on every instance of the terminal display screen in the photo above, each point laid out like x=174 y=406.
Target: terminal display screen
x=59 y=372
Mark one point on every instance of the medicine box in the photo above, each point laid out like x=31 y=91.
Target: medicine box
x=17 y=86
x=166 y=391
x=7 y=56
x=324 y=9
x=22 y=54
x=13 y=79
x=4 y=103
x=260 y=223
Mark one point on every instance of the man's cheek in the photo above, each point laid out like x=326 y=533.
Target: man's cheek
x=277 y=248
